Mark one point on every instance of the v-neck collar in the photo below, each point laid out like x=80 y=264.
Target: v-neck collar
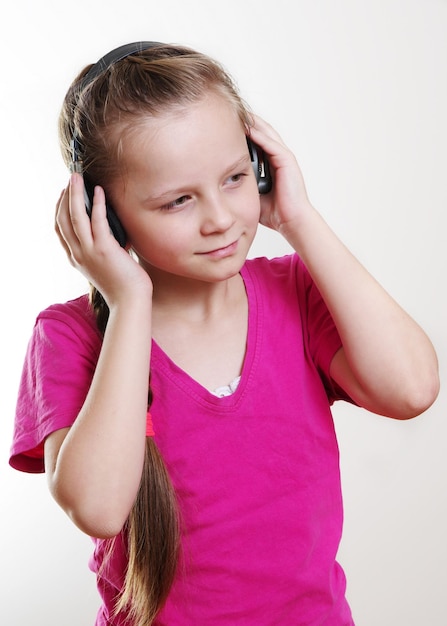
x=190 y=386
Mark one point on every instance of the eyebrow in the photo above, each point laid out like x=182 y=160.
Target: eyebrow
x=243 y=161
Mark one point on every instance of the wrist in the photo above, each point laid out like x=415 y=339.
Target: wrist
x=297 y=229
x=132 y=300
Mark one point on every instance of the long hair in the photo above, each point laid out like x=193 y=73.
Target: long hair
x=156 y=81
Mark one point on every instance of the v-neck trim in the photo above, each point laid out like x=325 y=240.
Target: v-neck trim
x=180 y=378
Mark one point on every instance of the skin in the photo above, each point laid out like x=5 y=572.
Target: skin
x=190 y=206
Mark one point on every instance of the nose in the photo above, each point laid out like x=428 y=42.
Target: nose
x=217 y=216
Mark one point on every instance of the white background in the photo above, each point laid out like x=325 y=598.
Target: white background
x=359 y=90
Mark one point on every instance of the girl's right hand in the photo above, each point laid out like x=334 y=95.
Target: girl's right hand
x=92 y=248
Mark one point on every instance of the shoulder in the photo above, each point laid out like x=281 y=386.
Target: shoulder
x=64 y=343
x=73 y=321
x=276 y=265
x=76 y=312
x=286 y=273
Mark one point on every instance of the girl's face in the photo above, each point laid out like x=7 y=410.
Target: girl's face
x=189 y=200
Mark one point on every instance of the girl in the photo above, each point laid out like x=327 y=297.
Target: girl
x=231 y=512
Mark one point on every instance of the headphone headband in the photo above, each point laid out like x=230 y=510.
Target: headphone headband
x=118 y=54
x=109 y=59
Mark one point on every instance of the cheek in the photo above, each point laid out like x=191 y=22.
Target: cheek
x=159 y=241
x=253 y=212
x=252 y=201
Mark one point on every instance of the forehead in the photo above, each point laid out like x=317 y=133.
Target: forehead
x=181 y=149
x=213 y=118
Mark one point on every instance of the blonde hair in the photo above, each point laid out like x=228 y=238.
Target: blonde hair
x=150 y=83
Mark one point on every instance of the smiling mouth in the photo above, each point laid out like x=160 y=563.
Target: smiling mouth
x=222 y=252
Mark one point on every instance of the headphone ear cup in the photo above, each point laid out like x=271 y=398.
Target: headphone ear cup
x=115 y=226
x=260 y=166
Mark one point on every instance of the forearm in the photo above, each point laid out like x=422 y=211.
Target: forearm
x=99 y=464
x=387 y=363
x=390 y=357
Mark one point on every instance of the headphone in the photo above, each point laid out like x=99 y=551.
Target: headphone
x=258 y=159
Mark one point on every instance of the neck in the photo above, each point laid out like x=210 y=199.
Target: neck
x=192 y=300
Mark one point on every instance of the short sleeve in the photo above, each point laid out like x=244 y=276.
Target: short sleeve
x=322 y=335
x=293 y=297
x=59 y=364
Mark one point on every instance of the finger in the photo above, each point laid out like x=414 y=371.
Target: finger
x=275 y=149
x=80 y=221
x=264 y=127
x=65 y=247
x=62 y=223
x=58 y=220
x=64 y=226
x=99 y=223
x=59 y=204
x=62 y=194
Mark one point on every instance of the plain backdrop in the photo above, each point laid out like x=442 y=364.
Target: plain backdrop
x=359 y=91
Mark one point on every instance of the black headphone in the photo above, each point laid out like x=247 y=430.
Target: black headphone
x=258 y=160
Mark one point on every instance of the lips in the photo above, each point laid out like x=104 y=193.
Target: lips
x=222 y=252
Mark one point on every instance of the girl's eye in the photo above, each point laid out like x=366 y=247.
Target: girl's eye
x=175 y=204
x=236 y=178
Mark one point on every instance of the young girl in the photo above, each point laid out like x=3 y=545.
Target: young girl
x=231 y=513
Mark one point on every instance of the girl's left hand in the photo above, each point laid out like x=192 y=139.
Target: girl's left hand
x=282 y=208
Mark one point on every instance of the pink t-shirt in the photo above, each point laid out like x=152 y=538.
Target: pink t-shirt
x=256 y=473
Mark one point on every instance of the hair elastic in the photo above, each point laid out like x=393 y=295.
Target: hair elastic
x=149 y=426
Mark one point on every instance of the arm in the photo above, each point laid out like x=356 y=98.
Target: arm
x=94 y=468
x=387 y=363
